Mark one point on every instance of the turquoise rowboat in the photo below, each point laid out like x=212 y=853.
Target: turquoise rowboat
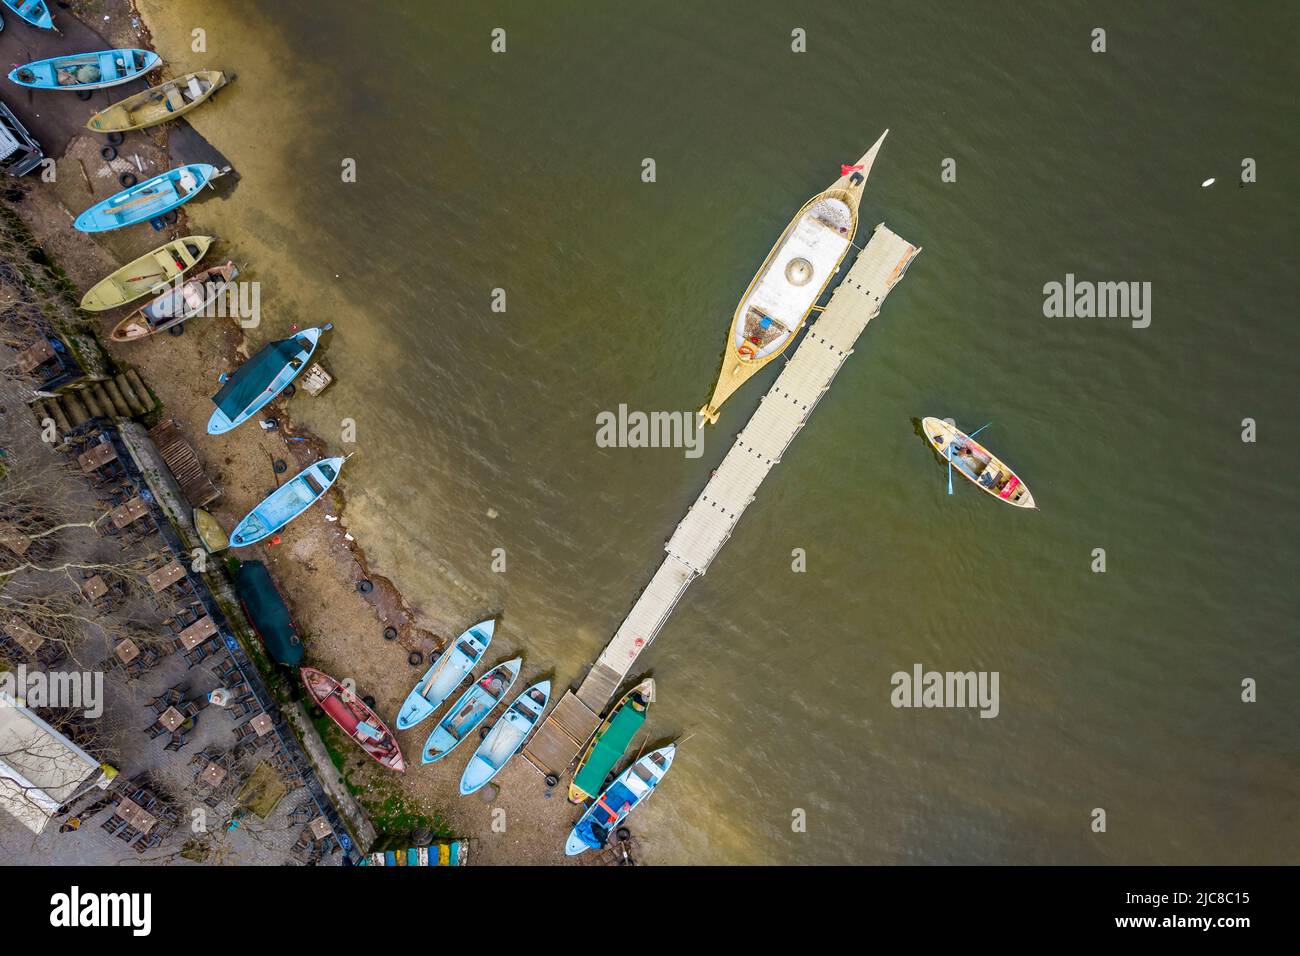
x=444 y=676
x=34 y=12
x=506 y=738
x=261 y=378
x=86 y=71
x=148 y=199
x=620 y=798
x=468 y=712
x=287 y=502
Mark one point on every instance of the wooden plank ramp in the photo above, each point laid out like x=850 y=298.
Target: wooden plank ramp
x=708 y=524
x=184 y=464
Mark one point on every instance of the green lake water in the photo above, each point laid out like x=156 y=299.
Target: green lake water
x=522 y=171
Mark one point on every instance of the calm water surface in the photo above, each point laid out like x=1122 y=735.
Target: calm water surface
x=521 y=171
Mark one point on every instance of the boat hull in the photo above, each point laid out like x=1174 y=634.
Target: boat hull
x=617 y=801
x=445 y=674
x=158 y=104
x=980 y=466
x=147 y=200
x=194 y=297
x=349 y=713
x=86 y=71
x=646 y=692
x=220 y=422
x=169 y=261
x=287 y=502
x=35 y=12
x=470 y=710
x=506 y=738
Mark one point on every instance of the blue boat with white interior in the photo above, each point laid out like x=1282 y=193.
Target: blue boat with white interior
x=149 y=199
x=255 y=383
x=445 y=674
x=619 y=799
x=506 y=738
x=287 y=502
x=35 y=12
x=468 y=712
x=86 y=71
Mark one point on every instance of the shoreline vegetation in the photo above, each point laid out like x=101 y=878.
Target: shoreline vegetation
x=354 y=622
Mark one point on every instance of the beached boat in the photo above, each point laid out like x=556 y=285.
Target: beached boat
x=146 y=200
x=610 y=741
x=265 y=609
x=445 y=674
x=210 y=532
x=971 y=459
x=356 y=719
x=158 y=104
x=619 y=799
x=150 y=273
x=261 y=378
x=86 y=71
x=184 y=300
x=506 y=738
x=287 y=502
x=468 y=712
x=792 y=278
x=35 y=12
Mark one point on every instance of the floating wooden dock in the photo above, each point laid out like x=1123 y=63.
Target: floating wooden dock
x=709 y=522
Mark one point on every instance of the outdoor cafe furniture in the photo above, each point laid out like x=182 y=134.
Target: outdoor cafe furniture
x=163 y=578
x=96 y=457
x=136 y=816
x=127 y=513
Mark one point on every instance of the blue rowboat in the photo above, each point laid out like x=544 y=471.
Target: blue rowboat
x=34 y=12
x=261 y=378
x=444 y=676
x=506 y=738
x=468 y=712
x=85 y=71
x=619 y=799
x=287 y=502
x=148 y=199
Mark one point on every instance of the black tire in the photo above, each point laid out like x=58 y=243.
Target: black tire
x=177 y=329
x=170 y=217
x=127 y=179
x=365 y=586
x=422 y=836
x=415 y=658
x=316 y=713
x=289 y=390
x=108 y=153
x=483 y=732
x=280 y=466
x=552 y=780
x=624 y=833
x=115 y=138
x=84 y=95
x=368 y=701
x=390 y=633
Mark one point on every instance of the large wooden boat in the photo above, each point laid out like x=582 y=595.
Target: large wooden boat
x=86 y=71
x=354 y=718
x=506 y=738
x=149 y=273
x=445 y=674
x=619 y=799
x=180 y=302
x=158 y=104
x=791 y=280
x=610 y=741
x=977 y=464
x=468 y=712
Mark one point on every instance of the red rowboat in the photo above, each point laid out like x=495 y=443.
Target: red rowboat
x=357 y=720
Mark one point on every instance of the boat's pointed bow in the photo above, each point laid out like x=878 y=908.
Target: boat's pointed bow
x=854 y=179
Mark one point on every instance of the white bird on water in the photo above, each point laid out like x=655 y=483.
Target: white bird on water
x=1208 y=182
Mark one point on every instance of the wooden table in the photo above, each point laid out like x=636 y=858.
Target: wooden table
x=166 y=576
x=13 y=539
x=320 y=828
x=171 y=718
x=127 y=651
x=133 y=510
x=213 y=774
x=34 y=356
x=97 y=457
x=261 y=724
x=136 y=815
x=197 y=633
x=30 y=641
x=94 y=588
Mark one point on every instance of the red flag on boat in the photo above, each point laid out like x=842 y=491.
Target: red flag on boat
x=845 y=170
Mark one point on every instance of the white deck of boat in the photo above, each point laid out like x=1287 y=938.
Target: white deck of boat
x=775 y=294
x=709 y=522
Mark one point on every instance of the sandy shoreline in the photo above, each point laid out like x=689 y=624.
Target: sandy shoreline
x=317 y=564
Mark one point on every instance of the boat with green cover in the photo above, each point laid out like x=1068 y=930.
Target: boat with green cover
x=611 y=741
x=268 y=613
x=264 y=376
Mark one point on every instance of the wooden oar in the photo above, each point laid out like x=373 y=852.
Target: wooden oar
x=947 y=451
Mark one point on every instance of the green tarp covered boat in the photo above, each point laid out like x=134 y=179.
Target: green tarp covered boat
x=610 y=741
x=267 y=612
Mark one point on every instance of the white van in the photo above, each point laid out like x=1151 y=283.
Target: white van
x=19 y=152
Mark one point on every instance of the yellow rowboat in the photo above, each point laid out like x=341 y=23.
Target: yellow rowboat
x=150 y=273
x=610 y=741
x=984 y=469
x=792 y=278
x=210 y=532
x=178 y=303
x=159 y=104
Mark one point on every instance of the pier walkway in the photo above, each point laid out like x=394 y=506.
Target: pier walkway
x=709 y=522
